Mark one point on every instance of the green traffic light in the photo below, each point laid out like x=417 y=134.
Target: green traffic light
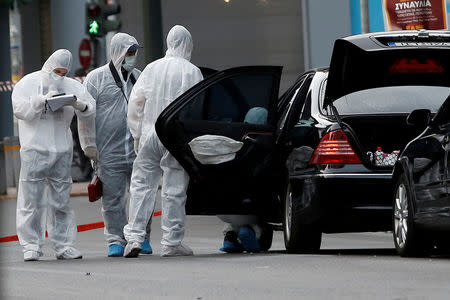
x=93 y=27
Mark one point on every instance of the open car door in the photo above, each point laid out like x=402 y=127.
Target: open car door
x=207 y=72
x=220 y=106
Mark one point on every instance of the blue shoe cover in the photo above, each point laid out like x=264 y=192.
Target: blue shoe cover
x=248 y=239
x=115 y=251
x=231 y=247
x=146 y=248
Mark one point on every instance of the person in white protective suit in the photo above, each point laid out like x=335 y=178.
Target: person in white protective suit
x=46 y=156
x=161 y=82
x=113 y=138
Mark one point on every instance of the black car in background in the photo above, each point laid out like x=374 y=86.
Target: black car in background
x=323 y=160
x=421 y=214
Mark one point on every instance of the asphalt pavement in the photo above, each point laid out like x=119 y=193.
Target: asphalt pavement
x=349 y=266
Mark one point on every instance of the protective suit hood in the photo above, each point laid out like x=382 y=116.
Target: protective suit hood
x=61 y=58
x=120 y=43
x=179 y=43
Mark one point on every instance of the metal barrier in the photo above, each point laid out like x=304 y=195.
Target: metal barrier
x=8 y=86
x=15 y=149
x=2 y=170
x=11 y=147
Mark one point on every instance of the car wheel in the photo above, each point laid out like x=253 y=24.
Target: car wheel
x=265 y=241
x=298 y=237
x=407 y=239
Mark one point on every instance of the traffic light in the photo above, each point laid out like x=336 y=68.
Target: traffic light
x=93 y=12
x=97 y=18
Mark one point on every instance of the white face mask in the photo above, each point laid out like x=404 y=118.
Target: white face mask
x=129 y=63
x=56 y=77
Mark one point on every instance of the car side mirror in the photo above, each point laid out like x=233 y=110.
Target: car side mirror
x=419 y=118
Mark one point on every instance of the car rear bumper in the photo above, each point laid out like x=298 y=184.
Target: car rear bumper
x=345 y=202
x=363 y=176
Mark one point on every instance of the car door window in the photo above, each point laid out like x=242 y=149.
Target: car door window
x=288 y=95
x=293 y=108
x=326 y=111
x=287 y=110
x=237 y=99
x=306 y=110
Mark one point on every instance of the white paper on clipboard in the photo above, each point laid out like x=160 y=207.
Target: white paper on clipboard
x=57 y=102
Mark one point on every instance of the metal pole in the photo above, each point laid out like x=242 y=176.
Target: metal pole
x=153 y=39
x=31 y=37
x=45 y=22
x=306 y=37
x=365 y=19
x=6 y=114
x=96 y=52
x=3 y=186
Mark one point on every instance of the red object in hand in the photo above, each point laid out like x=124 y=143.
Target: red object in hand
x=95 y=189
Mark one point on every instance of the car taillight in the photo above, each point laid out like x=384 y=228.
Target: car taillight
x=334 y=148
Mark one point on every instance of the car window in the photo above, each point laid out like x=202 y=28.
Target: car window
x=287 y=96
x=442 y=118
x=399 y=99
x=287 y=110
x=241 y=98
x=325 y=111
x=296 y=105
x=306 y=110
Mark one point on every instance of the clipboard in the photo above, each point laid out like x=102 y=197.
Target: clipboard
x=58 y=101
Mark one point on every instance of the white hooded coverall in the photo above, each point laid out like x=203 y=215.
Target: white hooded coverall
x=46 y=155
x=161 y=82
x=113 y=138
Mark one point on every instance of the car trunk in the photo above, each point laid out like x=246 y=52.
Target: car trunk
x=354 y=69
x=378 y=139
x=375 y=80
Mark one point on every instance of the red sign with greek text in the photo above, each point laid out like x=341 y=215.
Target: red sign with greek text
x=415 y=15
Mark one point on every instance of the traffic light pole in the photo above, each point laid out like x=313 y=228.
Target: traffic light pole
x=6 y=113
x=96 y=50
x=153 y=39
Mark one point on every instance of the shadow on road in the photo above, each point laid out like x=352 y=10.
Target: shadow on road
x=366 y=252
x=379 y=251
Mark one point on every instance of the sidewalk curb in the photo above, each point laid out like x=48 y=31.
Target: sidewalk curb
x=79 y=189
x=72 y=194
x=80 y=228
x=79 y=194
x=8 y=197
x=14 y=197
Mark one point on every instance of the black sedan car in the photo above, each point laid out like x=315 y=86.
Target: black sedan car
x=322 y=161
x=421 y=215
